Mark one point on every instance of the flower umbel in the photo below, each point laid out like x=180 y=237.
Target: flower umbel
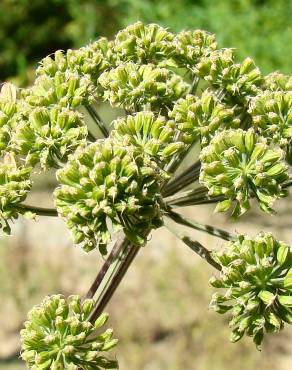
x=153 y=134
x=59 y=335
x=237 y=165
x=201 y=117
x=105 y=182
x=48 y=136
x=257 y=277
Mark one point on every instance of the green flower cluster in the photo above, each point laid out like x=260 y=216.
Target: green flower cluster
x=191 y=46
x=86 y=61
x=278 y=81
x=109 y=183
x=67 y=89
x=201 y=117
x=14 y=186
x=238 y=165
x=237 y=81
x=144 y=44
x=136 y=87
x=271 y=113
x=154 y=134
x=48 y=136
x=59 y=335
x=8 y=110
x=257 y=277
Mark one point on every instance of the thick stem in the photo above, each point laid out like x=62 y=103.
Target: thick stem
x=94 y=115
x=38 y=210
x=182 y=220
x=197 y=247
x=118 y=247
x=114 y=281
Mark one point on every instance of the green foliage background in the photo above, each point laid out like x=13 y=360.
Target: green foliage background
x=31 y=29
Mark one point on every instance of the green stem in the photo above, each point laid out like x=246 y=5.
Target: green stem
x=113 y=279
x=197 y=247
x=113 y=256
x=38 y=210
x=94 y=115
x=185 y=221
x=189 y=176
x=186 y=196
x=287 y=184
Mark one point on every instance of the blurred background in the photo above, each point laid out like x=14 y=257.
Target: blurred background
x=160 y=312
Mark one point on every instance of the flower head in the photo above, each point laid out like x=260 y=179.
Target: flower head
x=8 y=110
x=238 y=165
x=14 y=186
x=106 y=187
x=257 y=277
x=191 y=46
x=66 y=89
x=49 y=135
x=276 y=81
x=271 y=114
x=201 y=117
x=87 y=61
x=154 y=134
x=144 y=44
x=238 y=81
x=60 y=335
x=134 y=86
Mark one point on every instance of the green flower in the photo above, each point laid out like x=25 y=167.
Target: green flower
x=238 y=165
x=106 y=187
x=135 y=87
x=201 y=117
x=272 y=114
x=278 y=81
x=154 y=134
x=237 y=81
x=144 y=44
x=14 y=186
x=49 y=135
x=191 y=46
x=88 y=60
x=59 y=335
x=8 y=110
x=257 y=275
x=66 y=89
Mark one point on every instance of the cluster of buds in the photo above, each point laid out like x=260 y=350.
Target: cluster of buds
x=136 y=87
x=14 y=186
x=88 y=61
x=67 y=89
x=48 y=136
x=60 y=335
x=238 y=165
x=237 y=81
x=257 y=277
x=278 y=81
x=109 y=182
x=8 y=110
x=153 y=134
x=191 y=46
x=201 y=117
x=144 y=44
x=271 y=113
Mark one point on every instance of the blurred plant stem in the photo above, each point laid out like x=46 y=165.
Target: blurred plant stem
x=195 y=246
x=96 y=118
x=185 y=221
